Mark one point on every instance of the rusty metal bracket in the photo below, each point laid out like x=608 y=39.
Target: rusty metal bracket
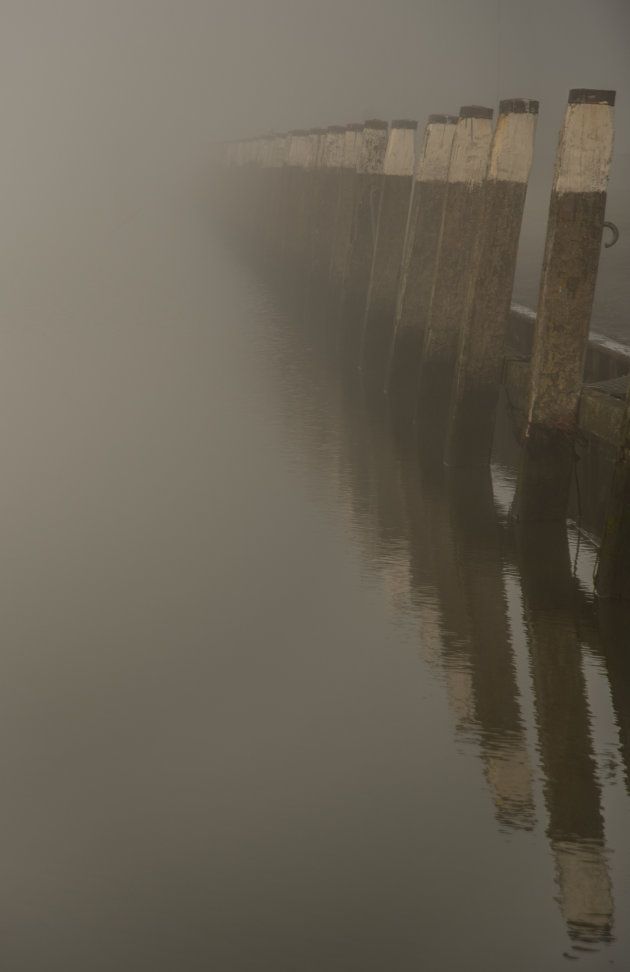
x=615 y=234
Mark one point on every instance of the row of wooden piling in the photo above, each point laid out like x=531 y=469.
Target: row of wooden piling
x=416 y=254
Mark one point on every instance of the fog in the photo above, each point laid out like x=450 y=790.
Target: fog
x=105 y=103
x=219 y=718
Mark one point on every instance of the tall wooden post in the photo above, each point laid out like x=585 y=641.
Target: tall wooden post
x=368 y=187
x=391 y=227
x=418 y=267
x=325 y=203
x=457 y=251
x=353 y=139
x=480 y=354
x=574 y=232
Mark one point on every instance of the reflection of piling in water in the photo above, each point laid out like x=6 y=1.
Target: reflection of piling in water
x=456 y=570
x=574 y=232
x=607 y=637
x=455 y=260
x=490 y=660
x=435 y=537
x=572 y=793
x=418 y=265
x=391 y=225
x=480 y=354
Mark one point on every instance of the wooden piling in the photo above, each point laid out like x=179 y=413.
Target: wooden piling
x=353 y=139
x=368 y=186
x=416 y=279
x=325 y=203
x=276 y=200
x=574 y=232
x=306 y=199
x=293 y=185
x=380 y=305
x=482 y=336
x=456 y=255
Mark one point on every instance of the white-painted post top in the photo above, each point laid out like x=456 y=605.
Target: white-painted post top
x=471 y=146
x=321 y=150
x=280 y=151
x=313 y=148
x=353 y=138
x=586 y=142
x=263 y=151
x=333 y=149
x=373 y=146
x=298 y=148
x=512 y=148
x=241 y=154
x=401 y=149
x=435 y=152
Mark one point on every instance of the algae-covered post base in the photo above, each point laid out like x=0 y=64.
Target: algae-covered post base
x=482 y=337
x=574 y=232
x=391 y=226
x=612 y=578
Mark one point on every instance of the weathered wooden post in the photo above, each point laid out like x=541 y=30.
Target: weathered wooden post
x=243 y=155
x=480 y=354
x=398 y=168
x=353 y=138
x=368 y=186
x=304 y=212
x=456 y=255
x=416 y=279
x=279 y=160
x=259 y=189
x=574 y=232
x=612 y=577
x=325 y=203
x=294 y=178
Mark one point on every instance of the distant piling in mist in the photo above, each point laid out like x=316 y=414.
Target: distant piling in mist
x=418 y=265
x=391 y=225
x=342 y=230
x=360 y=251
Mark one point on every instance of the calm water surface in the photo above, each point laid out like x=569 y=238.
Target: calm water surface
x=275 y=695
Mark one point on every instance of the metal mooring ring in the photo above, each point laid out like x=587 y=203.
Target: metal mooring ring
x=615 y=234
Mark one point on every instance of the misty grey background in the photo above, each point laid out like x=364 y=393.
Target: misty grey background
x=103 y=101
x=204 y=730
